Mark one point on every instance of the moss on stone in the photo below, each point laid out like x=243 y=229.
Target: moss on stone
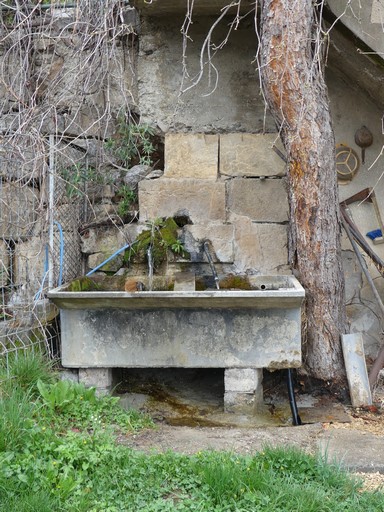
x=83 y=284
x=161 y=236
x=232 y=281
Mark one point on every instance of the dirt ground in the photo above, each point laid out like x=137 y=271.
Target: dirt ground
x=243 y=438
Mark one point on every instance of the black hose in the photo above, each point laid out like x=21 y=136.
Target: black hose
x=292 y=400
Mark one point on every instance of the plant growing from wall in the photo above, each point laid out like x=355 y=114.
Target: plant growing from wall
x=132 y=143
x=160 y=237
x=77 y=175
x=127 y=198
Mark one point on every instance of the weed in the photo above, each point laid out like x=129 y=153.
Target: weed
x=24 y=370
x=42 y=501
x=127 y=198
x=77 y=175
x=132 y=143
x=73 y=405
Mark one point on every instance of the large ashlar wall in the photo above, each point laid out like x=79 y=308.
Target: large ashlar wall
x=231 y=186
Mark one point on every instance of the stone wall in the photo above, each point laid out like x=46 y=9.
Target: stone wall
x=220 y=170
x=232 y=103
x=242 y=212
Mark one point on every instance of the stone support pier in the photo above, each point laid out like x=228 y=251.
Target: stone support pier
x=99 y=378
x=243 y=390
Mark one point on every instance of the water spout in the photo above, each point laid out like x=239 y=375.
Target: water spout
x=210 y=261
x=150 y=267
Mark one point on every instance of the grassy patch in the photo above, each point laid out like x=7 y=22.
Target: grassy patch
x=58 y=452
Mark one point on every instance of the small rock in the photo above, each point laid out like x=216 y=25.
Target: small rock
x=154 y=175
x=136 y=174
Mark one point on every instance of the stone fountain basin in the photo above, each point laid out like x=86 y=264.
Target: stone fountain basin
x=257 y=328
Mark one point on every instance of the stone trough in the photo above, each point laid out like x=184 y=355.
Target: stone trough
x=242 y=331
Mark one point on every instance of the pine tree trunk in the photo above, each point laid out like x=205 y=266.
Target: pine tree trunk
x=297 y=97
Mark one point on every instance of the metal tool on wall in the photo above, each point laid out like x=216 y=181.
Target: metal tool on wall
x=363 y=195
x=364 y=139
x=368 y=195
x=356 y=237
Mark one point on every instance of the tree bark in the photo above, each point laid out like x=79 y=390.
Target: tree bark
x=297 y=97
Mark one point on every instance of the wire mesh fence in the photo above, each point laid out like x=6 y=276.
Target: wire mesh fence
x=66 y=73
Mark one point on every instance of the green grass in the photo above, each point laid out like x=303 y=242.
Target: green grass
x=23 y=370
x=58 y=452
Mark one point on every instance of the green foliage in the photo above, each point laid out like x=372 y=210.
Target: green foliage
x=42 y=501
x=16 y=410
x=161 y=236
x=24 y=370
x=79 y=407
x=75 y=177
x=59 y=452
x=59 y=395
x=132 y=143
x=127 y=198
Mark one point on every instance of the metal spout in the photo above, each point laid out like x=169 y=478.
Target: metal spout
x=210 y=261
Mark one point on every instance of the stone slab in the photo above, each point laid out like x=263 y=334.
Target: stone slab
x=184 y=281
x=201 y=7
x=113 y=265
x=21 y=157
x=184 y=338
x=71 y=374
x=250 y=154
x=101 y=240
x=234 y=105
x=19 y=206
x=364 y=19
x=191 y=155
x=30 y=264
x=243 y=403
x=99 y=378
x=269 y=292
x=357 y=451
x=261 y=248
x=353 y=351
x=100 y=244
x=221 y=238
x=202 y=200
x=260 y=200
x=4 y=264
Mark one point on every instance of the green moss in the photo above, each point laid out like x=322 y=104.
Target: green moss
x=161 y=236
x=83 y=284
x=235 y=282
x=200 y=285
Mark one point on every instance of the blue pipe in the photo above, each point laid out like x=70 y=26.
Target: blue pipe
x=110 y=258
